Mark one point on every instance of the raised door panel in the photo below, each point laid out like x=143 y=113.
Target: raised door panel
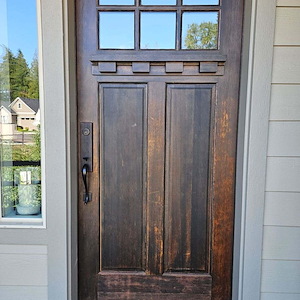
x=123 y=197
x=187 y=177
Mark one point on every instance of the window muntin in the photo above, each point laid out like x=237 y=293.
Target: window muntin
x=20 y=147
x=138 y=30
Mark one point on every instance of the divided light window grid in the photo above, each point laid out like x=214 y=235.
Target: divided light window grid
x=158 y=24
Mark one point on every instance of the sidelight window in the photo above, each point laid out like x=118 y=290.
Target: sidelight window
x=159 y=24
x=20 y=138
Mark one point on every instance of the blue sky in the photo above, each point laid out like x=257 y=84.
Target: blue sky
x=157 y=28
x=18 y=26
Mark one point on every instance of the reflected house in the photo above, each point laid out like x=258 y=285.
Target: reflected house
x=8 y=121
x=22 y=112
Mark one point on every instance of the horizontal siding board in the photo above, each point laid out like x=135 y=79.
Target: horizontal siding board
x=288 y=2
x=286 y=65
x=287 y=26
x=23 y=249
x=281 y=243
x=23 y=293
x=280 y=276
x=284 y=139
x=282 y=209
x=283 y=174
x=279 y=296
x=285 y=103
x=18 y=269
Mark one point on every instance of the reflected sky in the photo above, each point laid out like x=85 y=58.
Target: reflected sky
x=18 y=26
x=116 y=30
x=158 y=2
x=116 y=2
x=200 y=2
x=158 y=30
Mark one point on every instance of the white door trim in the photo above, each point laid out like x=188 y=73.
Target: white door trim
x=252 y=146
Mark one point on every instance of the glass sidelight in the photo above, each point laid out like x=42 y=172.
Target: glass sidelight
x=20 y=113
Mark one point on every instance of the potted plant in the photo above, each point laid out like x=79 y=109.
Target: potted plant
x=9 y=198
x=29 y=195
x=29 y=199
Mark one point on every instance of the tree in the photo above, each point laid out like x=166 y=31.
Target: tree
x=19 y=79
x=6 y=70
x=33 y=91
x=201 y=36
x=16 y=78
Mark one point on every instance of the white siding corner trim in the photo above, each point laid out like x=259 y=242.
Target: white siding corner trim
x=253 y=148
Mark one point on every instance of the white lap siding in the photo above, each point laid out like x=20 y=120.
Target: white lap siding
x=23 y=273
x=281 y=244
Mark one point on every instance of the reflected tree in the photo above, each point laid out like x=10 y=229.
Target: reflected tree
x=201 y=36
x=17 y=79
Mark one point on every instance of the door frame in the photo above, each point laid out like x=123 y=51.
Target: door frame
x=254 y=103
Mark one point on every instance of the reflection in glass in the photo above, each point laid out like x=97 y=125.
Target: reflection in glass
x=200 y=30
x=116 y=30
x=116 y=2
x=200 y=2
x=158 y=2
x=20 y=170
x=158 y=30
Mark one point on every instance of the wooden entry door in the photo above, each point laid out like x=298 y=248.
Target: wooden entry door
x=159 y=224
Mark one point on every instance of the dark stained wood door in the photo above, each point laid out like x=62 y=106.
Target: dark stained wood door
x=160 y=221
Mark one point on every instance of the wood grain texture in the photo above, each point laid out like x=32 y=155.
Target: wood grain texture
x=88 y=111
x=144 y=285
x=187 y=181
x=155 y=177
x=287 y=26
x=285 y=104
x=208 y=67
x=140 y=67
x=282 y=209
x=107 y=67
x=174 y=67
x=207 y=165
x=123 y=119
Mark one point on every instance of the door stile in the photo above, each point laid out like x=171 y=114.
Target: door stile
x=88 y=215
x=155 y=174
x=224 y=159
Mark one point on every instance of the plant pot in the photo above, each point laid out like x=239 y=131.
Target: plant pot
x=28 y=210
x=28 y=202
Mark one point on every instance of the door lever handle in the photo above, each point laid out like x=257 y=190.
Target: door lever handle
x=86 y=195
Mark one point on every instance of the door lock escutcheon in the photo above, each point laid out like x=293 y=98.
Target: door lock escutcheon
x=86 y=139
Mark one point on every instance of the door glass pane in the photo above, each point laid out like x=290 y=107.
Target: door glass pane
x=158 y=2
x=116 y=30
x=200 y=30
x=116 y=2
x=200 y=2
x=20 y=116
x=158 y=30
